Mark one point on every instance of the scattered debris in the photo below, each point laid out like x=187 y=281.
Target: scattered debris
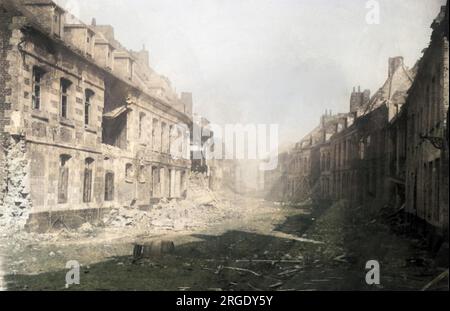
x=220 y=268
x=286 y=272
x=154 y=248
x=275 y=285
x=341 y=258
x=86 y=228
x=436 y=280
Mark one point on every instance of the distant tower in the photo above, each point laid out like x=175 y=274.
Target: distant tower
x=359 y=99
x=144 y=56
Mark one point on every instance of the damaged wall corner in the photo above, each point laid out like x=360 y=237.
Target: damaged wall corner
x=16 y=202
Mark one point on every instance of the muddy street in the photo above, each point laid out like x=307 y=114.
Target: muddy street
x=270 y=248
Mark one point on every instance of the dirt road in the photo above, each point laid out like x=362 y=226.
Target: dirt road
x=266 y=248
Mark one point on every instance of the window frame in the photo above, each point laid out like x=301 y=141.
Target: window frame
x=88 y=95
x=64 y=97
x=36 y=100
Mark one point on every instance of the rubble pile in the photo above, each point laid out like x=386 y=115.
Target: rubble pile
x=201 y=208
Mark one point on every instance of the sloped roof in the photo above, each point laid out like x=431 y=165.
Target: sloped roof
x=394 y=89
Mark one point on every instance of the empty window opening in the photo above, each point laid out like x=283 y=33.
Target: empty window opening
x=115 y=115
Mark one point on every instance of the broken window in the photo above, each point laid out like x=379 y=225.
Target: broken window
x=87 y=180
x=63 y=179
x=88 y=94
x=115 y=127
x=115 y=114
x=65 y=84
x=36 y=88
x=109 y=186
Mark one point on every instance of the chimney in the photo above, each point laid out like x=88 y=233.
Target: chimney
x=394 y=63
x=94 y=22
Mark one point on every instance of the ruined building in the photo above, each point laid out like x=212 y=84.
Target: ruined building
x=344 y=156
x=392 y=148
x=298 y=174
x=426 y=150
x=85 y=124
x=358 y=153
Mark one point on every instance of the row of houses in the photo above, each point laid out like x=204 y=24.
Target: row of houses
x=390 y=148
x=85 y=123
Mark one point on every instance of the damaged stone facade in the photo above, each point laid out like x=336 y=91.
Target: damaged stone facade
x=298 y=176
x=345 y=156
x=392 y=148
x=85 y=124
x=426 y=110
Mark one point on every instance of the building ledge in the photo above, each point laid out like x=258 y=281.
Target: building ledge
x=41 y=115
x=90 y=129
x=66 y=122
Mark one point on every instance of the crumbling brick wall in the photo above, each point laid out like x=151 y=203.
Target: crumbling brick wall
x=14 y=192
x=16 y=202
x=5 y=35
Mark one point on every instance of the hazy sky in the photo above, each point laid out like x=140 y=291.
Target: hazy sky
x=268 y=61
